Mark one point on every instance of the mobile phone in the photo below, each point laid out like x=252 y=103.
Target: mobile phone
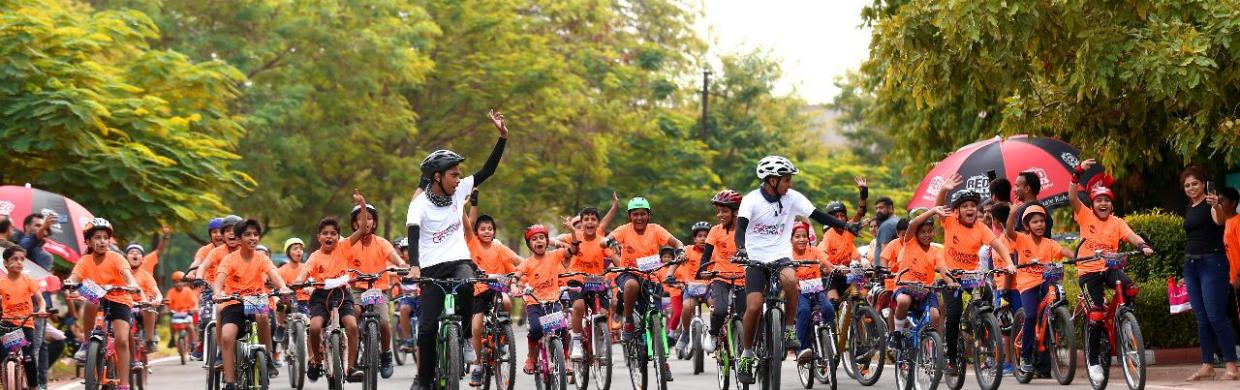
x=1209 y=186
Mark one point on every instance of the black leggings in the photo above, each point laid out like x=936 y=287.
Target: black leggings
x=1093 y=284
x=720 y=293
x=432 y=307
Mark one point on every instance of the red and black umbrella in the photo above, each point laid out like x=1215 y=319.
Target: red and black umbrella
x=1051 y=159
x=67 y=241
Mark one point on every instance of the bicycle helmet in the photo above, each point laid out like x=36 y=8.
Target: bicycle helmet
x=263 y=248
x=402 y=243
x=1031 y=211
x=230 y=221
x=836 y=207
x=700 y=226
x=1101 y=191
x=177 y=276
x=133 y=246
x=727 y=198
x=775 y=166
x=534 y=230
x=439 y=161
x=358 y=210
x=667 y=250
x=917 y=212
x=294 y=241
x=215 y=224
x=638 y=203
x=801 y=225
x=965 y=196
x=97 y=224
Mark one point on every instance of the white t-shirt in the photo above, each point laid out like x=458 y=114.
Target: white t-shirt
x=441 y=238
x=769 y=235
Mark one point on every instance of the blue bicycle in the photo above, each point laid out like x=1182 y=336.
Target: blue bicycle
x=919 y=358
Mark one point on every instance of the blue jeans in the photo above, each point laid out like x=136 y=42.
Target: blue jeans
x=1031 y=298
x=1014 y=298
x=805 y=312
x=1208 y=284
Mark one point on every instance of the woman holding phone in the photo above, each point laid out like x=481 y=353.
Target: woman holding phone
x=1205 y=274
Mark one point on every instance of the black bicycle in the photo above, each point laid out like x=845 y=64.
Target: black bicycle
x=372 y=301
x=768 y=343
x=450 y=367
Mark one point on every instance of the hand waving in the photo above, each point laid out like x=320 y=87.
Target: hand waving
x=497 y=118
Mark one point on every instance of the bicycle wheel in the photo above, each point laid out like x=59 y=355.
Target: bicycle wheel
x=953 y=377
x=635 y=359
x=505 y=358
x=658 y=347
x=394 y=330
x=183 y=346
x=826 y=370
x=806 y=369
x=723 y=363
x=1063 y=344
x=261 y=379
x=735 y=352
x=335 y=360
x=209 y=352
x=296 y=354
x=1018 y=330
x=370 y=358
x=95 y=366
x=988 y=352
x=556 y=379
x=776 y=353
x=930 y=361
x=137 y=377
x=1132 y=349
x=450 y=356
x=845 y=319
x=14 y=378
x=1104 y=358
x=906 y=364
x=601 y=362
x=867 y=342
x=697 y=330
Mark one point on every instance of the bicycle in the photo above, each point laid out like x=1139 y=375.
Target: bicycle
x=450 y=367
x=372 y=300
x=1120 y=324
x=294 y=346
x=402 y=348
x=596 y=360
x=697 y=327
x=13 y=376
x=769 y=348
x=862 y=342
x=549 y=370
x=824 y=359
x=334 y=339
x=137 y=346
x=499 y=348
x=179 y=324
x=252 y=360
x=980 y=338
x=100 y=365
x=210 y=349
x=1056 y=323
x=919 y=357
x=649 y=343
x=727 y=347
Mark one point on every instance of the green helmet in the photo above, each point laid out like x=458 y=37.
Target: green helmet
x=638 y=203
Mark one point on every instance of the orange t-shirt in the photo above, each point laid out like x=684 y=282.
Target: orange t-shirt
x=494 y=259
x=1045 y=251
x=591 y=257
x=244 y=277
x=16 y=299
x=891 y=259
x=687 y=271
x=920 y=262
x=1231 y=241
x=146 y=282
x=182 y=300
x=997 y=262
x=839 y=247
x=371 y=258
x=325 y=266
x=211 y=264
x=1098 y=234
x=634 y=246
x=962 y=243
x=724 y=242
x=289 y=273
x=203 y=251
x=811 y=253
x=107 y=271
x=150 y=261
x=543 y=275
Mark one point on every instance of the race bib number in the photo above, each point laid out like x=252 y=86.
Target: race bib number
x=649 y=263
x=971 y=281
x=91 y=291
x=595 y=284
x=335 y=282
x=553 y=321
x=181 y=319
x=14 y=340
x=255 y=305
x=372 y=297
x=695 y=290
x=811 y=286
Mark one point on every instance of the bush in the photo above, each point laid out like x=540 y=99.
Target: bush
x=1159 y=328
x=1165 y=232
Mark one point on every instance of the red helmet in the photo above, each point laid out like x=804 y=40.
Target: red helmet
x=728 y=198
x=535 y=229
x=801 y=225
x=1101 y=191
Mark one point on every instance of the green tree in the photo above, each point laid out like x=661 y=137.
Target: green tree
x=90 y=110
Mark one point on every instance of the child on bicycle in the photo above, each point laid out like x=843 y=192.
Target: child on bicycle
x=491 y=258
x=540 y=273
x=245 y=273
x=717 y=256
x=685 y=273
x=839 y=246
x=591 y=260
x=17 y=292
x=330 y=265
x=183 y=300
x=1031 y=246
x=106 y=268
x=638 y=239
x=294 y=248
x=919 y=262
x=373 y=254
x=890 y=258
x=1100 y=230
x=150 y=292
x=812 y=287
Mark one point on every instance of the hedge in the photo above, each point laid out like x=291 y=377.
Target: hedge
x=1165 y=232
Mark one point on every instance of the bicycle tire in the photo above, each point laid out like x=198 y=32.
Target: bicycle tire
x=1132 y=349
x=635 y=359
x=658 y=346
x=182 y=346
x=869 y=338
x=737 y=328
x=906 y=364
x=988 y=353
x=829 y=353
x=1063 y=344
x=14 y=378
x=94 y=372
x=450 y=363
x=697 y=330
x=370 y=377
x=209 y=352
x=335 y=362
x=954 y=379
x=394 y=330
x=806 y=369
x=930 y=360
x=507 y=359
x=776 y=354
x=296 y=354
x=1018 y=330
x=723 y=367
x=557 y=378
x=262 y=378
x=601 y=367
x=822 y=363
x=845 y=319
x=1104 y=358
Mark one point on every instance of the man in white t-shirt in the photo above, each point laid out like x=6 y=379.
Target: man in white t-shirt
x=764 y=226
x=440 y=252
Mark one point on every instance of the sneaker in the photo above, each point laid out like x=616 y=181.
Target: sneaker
x=135 y=365
x=1007 y=368
x=196 y=355
x=151 y=346
x=475 y=376
x=682 y=345
x=790 y=339
x=273 y=369
x=744 y=368
x=667 y=372
x=1095 y=373
x=577 y=351
x=708 y=344
x=355 y=375
x=313 y=372
x=805 y=356
x=468 y=352
x=626 y=332
x=278 y=338
x=385 y=365
x=951 y=365
x=1026 y=365
x=80 y=355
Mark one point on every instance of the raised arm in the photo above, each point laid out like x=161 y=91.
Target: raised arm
x=1073 y=192
x=359 y=201
x=951 y=183
x=863 y=194
x=916 y=223
x=1009 y=228
x=605 y=223
x=468 y=219
x=488 y=169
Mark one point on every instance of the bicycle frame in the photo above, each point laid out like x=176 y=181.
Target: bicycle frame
x=448 y=316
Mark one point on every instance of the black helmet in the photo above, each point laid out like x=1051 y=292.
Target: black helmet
x=230 y=221
x=964 y=196
x=836 y=207
x=439 y=161
x=700 y=226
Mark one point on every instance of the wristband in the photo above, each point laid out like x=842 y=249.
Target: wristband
x=1076 y=174
x=865 y=192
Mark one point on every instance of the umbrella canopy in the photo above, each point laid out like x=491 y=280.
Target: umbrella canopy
x=47 y=282
x=68 y=243
x=1051 y=159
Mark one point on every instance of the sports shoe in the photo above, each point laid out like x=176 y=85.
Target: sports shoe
x=708 y=344
x=385 y=365
x=667 y=372
x=577 y=352
x=626 y=332
x=151 y=346
x=744 y=367
x=80 y=355
x=1095 y=373
x=313 y=372
x=278 y=338
x=468 y=353
x=805 y=356
x=354 y=375
x=790 y=339
x=682 y=344
x=1007 y=368
x=475 y=376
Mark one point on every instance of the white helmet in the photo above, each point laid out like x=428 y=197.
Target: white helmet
x=775 y=166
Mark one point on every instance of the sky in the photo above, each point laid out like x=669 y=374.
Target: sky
x=814 y=40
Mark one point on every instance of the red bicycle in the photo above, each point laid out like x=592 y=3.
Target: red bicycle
x=1120 y=323
x=14 y=375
